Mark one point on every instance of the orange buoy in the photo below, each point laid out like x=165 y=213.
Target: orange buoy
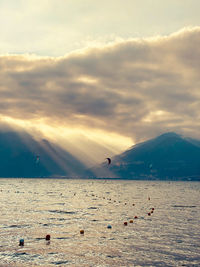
x=48 y=237
x=131 y=221
x=135 y=217
x=81 y=232
x=125 y=223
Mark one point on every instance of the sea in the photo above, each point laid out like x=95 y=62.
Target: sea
x=99 y=222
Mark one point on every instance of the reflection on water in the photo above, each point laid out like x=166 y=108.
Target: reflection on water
x=33 y=208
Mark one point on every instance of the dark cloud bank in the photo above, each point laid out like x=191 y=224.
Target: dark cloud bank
x=137 y=88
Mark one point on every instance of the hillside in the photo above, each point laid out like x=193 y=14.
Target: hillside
x=168 y=156
x=22 y=156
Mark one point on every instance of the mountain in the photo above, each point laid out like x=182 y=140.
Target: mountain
x=168 y=156
x=22 y=156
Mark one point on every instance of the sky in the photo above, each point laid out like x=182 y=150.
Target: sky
x=100 y=76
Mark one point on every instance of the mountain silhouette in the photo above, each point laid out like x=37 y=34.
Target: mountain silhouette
x=22 y=156
x=168 y=156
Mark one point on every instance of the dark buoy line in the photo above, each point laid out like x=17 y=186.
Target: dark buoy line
x=109 y=226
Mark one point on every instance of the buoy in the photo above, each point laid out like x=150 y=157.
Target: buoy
x=133 y=204
x=109 y=226
x=125 y=203
x=152 y=211
x=21 y=242
x=149 y=214
x=152 y=208
x=131 y=221
x=81 y=232
x=148 y=198
x=48 y=237
x=125 y=223
x=135 y=217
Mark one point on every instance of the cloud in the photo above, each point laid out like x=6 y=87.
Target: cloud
x=136 y=88
x=52 y=27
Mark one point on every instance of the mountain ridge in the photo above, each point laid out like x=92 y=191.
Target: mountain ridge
x=168 y=156
x=19 y=151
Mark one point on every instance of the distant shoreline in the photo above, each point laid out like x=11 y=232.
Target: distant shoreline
x=197 y=179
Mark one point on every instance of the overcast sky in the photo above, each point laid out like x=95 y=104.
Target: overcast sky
x=104 y=74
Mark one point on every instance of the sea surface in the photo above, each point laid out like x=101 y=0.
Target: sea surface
x=33 y=208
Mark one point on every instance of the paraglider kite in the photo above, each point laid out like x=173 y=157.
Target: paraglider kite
x=109 y=161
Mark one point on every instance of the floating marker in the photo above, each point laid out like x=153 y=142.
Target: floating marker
x=152 y=211
x=125 y=223
x=48 y=237
x=109 y=226
x=81 y=232
x=21 y=242
x=135 y=217
x=152 y=208
x=131 y=221
x=149 y=214
x=133 y=204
